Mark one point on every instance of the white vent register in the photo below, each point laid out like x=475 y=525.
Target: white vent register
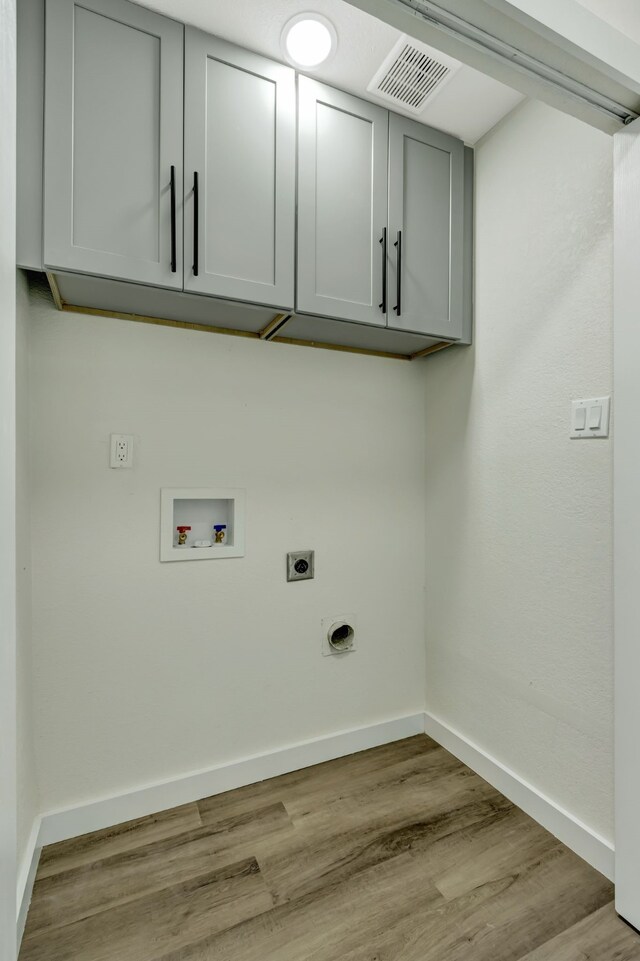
x=412 y=75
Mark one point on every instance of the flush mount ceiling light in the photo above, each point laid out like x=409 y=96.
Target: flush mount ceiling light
x=308 y=40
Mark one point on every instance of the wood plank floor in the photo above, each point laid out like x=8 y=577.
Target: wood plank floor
x=400 y=853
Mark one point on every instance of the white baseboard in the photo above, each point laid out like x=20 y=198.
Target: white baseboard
x=578 y=836
x=149 y=799
x=105 y=812
x=27 y=876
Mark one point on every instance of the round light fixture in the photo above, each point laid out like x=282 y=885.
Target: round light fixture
x=308 y=40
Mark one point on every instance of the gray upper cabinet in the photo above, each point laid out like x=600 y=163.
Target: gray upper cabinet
x=342 y=204
x=426 y=230
x=240 y=173
x=176 y=160
x=113 y=141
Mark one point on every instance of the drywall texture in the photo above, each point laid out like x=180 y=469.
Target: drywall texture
x=147 y=670
x=28 y=795
x=7 y=482
x=624 y=15
x=519 y=610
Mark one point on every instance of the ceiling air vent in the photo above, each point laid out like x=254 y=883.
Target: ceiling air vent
x=412 y=75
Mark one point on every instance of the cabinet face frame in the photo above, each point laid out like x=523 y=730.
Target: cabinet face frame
x=62 y=127
x=418 y=255
x=312 y=97
x=236 y=282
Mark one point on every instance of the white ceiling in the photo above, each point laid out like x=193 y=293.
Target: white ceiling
x=468 y=106
x=624 y=15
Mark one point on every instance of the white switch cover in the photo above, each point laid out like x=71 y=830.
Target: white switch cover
x=595 y=417
x=579 y=418
x=121 y=451
x=590 y=418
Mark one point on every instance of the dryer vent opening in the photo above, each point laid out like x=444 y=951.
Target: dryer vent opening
x=341 y=636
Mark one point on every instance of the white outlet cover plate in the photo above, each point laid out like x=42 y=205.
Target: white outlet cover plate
x=327 y=622
x=590 y=418
x=121 y=451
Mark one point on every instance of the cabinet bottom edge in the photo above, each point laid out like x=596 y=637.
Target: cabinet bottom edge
x=67 y=307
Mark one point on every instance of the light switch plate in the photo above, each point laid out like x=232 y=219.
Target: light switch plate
x=584 y=413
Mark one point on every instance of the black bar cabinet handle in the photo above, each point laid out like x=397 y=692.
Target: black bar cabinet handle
x=398 y=306
x=195 y=223
x=383 y=241
x=173 y=219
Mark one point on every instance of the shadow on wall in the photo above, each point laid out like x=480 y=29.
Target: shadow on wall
x=449 y=397
x=518 y=515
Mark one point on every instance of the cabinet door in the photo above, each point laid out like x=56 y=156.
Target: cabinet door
x=113 y=136
x=240 y=173
x=426 y=230
x=342 y=204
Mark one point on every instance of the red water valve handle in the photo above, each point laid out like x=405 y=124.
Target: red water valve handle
x=183 y=529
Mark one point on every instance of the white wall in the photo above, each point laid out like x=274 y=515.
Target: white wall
x=626 y=528
x=7 y=484
x=27 y=787
x=624 y=15
x=519 y=614
x=145 y=671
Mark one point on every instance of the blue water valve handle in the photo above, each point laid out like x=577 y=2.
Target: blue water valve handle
x=219 y=533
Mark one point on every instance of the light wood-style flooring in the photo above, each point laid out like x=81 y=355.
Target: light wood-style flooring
x=400 y=853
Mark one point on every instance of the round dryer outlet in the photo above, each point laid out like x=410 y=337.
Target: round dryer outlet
x=339 y=634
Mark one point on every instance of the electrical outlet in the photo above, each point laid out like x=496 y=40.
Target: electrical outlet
x=300 y=565
x=121 y=450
